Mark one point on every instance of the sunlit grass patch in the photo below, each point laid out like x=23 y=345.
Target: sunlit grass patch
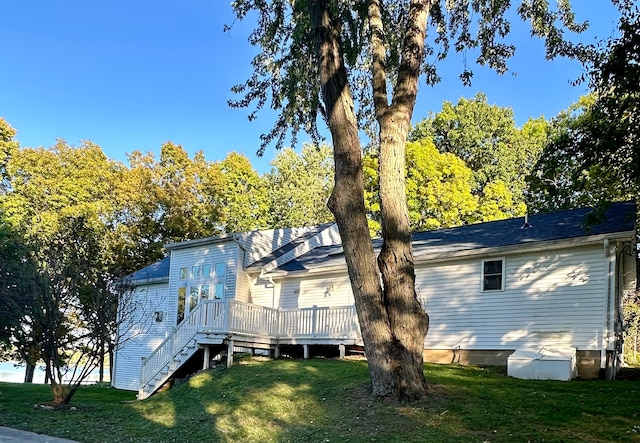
x=262 y=400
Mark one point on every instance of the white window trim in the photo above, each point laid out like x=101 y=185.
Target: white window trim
x=502 y=279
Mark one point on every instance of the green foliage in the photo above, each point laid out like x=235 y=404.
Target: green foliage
x=285 y=70
x=631 y=318
x=610 y=134
x=16 y=281
x=486 y=137
x=241 y=195
x=438 y=187
x=563 y=178
x=299 y=186
x=320 y=400
x=8 y=146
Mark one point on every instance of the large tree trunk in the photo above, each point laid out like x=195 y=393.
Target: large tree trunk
x=29 y=372
x=408 y=320
x=62 y=393
x=389 y=345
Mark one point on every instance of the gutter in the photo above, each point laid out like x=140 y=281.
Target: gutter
x=443 y=257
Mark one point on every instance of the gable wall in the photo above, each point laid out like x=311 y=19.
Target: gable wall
x=550 y=298
x=140 y=333
x=225 y=252
x=261 y=243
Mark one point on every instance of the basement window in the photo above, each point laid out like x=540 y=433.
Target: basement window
x=493 y=275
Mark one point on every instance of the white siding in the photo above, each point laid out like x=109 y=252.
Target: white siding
x=140 y=333
x=225 y=252
x=242 y=280
x=263 y=292
x=331 y=290
x=549 y=298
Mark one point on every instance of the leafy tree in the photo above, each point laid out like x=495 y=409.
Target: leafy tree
x=563 y=178
x=487 y=138
x=185 y=209
x=438 y=188
x=299 y=186
x=241 y=195
x=8 y=146
x=15 y=287
x=609 y=135
x=58 y=200
x=318 y=59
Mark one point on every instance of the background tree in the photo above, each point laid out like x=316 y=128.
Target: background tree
x=609 y=135
x=241 y=195
x=57 y=200
x=299 y=186
x=563 y=177
x=487 y=138
x=438 y=188
x=318 y=56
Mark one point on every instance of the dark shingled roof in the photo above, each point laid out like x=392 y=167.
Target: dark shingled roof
x=619 y=217
x=157 y=270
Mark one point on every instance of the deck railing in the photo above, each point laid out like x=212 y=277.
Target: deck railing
x=231 y=316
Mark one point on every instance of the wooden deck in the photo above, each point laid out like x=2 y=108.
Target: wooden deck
x=234 y=323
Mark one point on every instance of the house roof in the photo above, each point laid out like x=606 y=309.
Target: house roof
x=313 y=231
x=155 y=272
x=550 y=227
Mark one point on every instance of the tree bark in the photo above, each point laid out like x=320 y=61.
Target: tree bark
x=392 y=322
x=408 y=321
x=29 y=372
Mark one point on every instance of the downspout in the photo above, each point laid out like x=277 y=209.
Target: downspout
x=606 y=358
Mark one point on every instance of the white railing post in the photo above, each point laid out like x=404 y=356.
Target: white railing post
x=279 y=331
x=172 y=342
x=314 y=320
x=227 y=315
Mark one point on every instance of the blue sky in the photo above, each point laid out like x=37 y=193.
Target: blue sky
x=130 y=75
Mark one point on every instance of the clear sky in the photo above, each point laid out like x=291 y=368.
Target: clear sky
x=132 y=74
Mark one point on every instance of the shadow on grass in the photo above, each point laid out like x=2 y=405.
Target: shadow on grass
x=329 y=400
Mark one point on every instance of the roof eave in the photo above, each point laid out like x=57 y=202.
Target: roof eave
x=199 y=242
x=534 y=246
x=147 y=281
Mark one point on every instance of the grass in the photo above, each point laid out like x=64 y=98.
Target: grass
x=328 y=401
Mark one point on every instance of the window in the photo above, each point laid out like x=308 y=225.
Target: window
x=182 y=295
x=493 y=275
x=196 y=272
x=183 y=273
x=193 y=297
x=220 y=271
x=204 y=292
x=206 y=271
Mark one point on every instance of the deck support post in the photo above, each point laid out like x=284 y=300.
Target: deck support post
x=343 y=350
x=276 y=352
x=306 y=351
x=206 y=358
x=230 y=354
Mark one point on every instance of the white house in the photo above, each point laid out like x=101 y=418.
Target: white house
x=489 y=289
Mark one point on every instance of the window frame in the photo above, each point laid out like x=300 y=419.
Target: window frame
x=502 y=274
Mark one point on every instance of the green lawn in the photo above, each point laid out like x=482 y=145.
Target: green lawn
x=328 y=401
